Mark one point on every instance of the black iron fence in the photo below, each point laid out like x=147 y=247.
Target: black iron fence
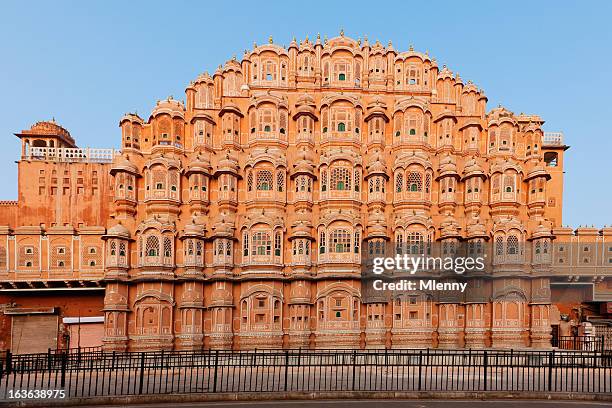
x=581 y=343
x=132 y=373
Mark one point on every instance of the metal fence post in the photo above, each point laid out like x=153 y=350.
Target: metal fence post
x=603 y=349
x=64 y=363
x=420 y=367
x=142 y=365
x=354 y=366
x=485 y=363
x=551 y=356
x=9 y=362
x=216 y=368
x=49 y=359
x=286 y=368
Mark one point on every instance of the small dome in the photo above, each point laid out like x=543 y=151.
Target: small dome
x=131 y=117
x=169 y=106
x=305 y=99
x=300 y=293
x=122 y=164
x=376 y=165
x=204 y=78
x=302 y=226
x=304 y=164
x=541 y=231
x=49 y=128
x=191 y=297
x=445 y=73
x=472 y=168
x=538 y=171
x=447 y=167
x=228 y=164
x=223 y=228
x=194 y=229
x=199 y=164
x=118 y=231
x=221 y=297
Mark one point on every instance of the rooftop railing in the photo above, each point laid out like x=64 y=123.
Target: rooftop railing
x=553 y=139
x=71 y=154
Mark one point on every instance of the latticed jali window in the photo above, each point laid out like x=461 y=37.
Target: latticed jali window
x=168 y=254
x=28 y=256
x=280 y=180
x=3 y=258
x=60 y=255
x=264 y=180
x=399 y=182
x=415 y=181
x=91 y=256
x=340 y=241
x=340 y=179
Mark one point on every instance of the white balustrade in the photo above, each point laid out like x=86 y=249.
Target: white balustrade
x=72 y=154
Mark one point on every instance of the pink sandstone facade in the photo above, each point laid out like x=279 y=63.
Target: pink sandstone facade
x=237 y=219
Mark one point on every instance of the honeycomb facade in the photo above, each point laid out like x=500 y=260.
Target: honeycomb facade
x=238 y=219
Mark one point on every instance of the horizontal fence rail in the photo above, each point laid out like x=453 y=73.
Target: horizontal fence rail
x=581 y=343
x=96 y=373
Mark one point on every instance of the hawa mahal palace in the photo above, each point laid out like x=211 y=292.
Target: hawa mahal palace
x=239 y=217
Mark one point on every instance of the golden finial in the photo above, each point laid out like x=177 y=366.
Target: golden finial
x=359 y=41
x=233 y=57
x=318 y=36
x=270 y=40
x=342 y=32
x=427 y=52
x=390 y=44
x=254 y=44
x=307 y=38
x=294 y=38
x=411 y=48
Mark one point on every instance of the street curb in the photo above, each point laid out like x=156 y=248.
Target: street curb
x=276 y=396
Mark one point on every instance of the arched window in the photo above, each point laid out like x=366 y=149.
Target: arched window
x=415 y=243
x=340 y=179
x=264 y=180
x=399 y=182
x=499 y=246
x=280 y=180
x=415 y=181
x=340 y=240
x=323 y=180
x=322 y=243
x=262 y=245
x=551 y=158
x=512 y=245
x=277 y=244
x=152 y=246
x=341 y=127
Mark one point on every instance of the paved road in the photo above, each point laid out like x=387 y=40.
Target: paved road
x=385 y=404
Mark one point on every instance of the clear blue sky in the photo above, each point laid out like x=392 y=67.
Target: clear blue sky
x=87 y=63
